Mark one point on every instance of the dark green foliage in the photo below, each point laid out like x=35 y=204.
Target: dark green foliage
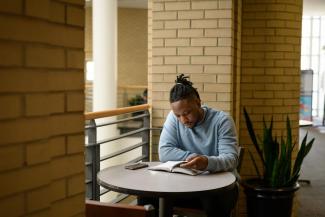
x=137 y=100
x=276 y=155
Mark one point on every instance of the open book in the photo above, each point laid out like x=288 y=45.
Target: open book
x=174 y=167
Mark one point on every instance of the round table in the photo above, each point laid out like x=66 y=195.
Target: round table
x=144 y=182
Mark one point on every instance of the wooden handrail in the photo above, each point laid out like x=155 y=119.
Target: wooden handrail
x=114 y=112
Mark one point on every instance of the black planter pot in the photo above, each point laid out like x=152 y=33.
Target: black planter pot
x=268 y=202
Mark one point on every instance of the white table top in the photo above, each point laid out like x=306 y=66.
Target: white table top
x=156 y=183
x=304 y=123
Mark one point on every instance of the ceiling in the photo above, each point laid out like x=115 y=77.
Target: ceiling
x=313 y=7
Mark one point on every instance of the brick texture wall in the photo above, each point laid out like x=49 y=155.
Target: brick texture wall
x=238 y=53
x=88 y=32
x=237 y=8
x=194 y=38
x=41 y=108
x=270 y=67
x=132 y=46
x=154 y=134
x=132 y=53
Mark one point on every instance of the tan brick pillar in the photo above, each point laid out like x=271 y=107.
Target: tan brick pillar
x=41 y=108
x=270 y=67
x=194 y=38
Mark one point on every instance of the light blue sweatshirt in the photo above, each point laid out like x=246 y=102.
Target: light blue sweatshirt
x=214 y=137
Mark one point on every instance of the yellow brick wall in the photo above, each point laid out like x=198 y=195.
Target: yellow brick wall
x=41 y=108
x=132 y=53
x=237 y=8
x=88 y=32
x=154 y=134
x=132 y=46
x=270 y=68
x=194 y=38
x=238 y=53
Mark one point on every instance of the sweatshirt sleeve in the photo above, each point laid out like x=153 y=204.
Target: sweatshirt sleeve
x=227 y=147
x=168 y=144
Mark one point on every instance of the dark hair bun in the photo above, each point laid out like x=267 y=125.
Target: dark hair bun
x=182 y=79
x=183 y=89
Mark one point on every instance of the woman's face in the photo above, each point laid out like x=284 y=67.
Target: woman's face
x=188 y=111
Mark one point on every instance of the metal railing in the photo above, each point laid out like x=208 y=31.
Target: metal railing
x=94 y=122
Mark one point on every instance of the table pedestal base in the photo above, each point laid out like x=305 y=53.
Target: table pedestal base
x=165 y=207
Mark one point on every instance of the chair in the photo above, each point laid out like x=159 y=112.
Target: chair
x=100 y=209
x=191 y=212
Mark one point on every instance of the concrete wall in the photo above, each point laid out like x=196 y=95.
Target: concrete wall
x=41 y=112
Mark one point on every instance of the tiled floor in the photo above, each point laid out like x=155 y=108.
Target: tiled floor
x=312 y=197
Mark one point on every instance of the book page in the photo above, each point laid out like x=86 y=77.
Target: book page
x=167 y=166
x=174 y=167
x=191 y=172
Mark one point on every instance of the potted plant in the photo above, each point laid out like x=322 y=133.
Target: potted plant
x=271 y=194
x=137 y=100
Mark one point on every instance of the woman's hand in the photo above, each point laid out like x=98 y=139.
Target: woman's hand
x=198 y=162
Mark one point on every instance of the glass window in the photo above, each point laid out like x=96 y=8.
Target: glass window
x=313 y=57
x=315 y=64
x=315 y=46
x=306 y=27
x=322 y=63
x=322 y=26
x=305 y=46
x=316 y=26
x=305 y=64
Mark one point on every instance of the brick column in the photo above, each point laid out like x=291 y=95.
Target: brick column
x=41 y=112
x=270 y=67
x=194 y=38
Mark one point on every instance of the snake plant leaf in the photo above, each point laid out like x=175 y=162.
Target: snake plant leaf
x=308 y=147
x=282 y=163
x=252 y=135
x=300 y=156
x=274 y=173
x=278 y=170
x=255 y=164
x=303 y=151
x=259 y=142
x=289 y=148
x=270 y=149
x=289 y=134
x=292 y=180
x=287 y=174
